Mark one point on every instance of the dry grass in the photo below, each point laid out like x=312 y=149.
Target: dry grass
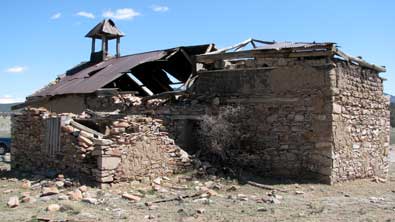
x=218 y=133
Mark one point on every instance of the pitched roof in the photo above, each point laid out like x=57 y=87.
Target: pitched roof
x=89 y=77
x=106 y=28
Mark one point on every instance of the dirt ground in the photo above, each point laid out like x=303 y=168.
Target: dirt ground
x=221 y=200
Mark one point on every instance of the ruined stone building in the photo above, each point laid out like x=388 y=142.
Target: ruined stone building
x=280 y=109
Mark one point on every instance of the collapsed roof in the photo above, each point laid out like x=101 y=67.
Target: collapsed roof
x=137 y=72
x=283 y=49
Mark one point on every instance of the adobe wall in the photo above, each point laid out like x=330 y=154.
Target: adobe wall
x=133 y=148
x=284 y=122
x=361 y=126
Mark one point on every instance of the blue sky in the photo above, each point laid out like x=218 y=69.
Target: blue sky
x=43 y=38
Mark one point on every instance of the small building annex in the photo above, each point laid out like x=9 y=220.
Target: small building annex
x=280 y=109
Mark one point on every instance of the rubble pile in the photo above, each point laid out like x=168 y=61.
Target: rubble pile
x=133 y=147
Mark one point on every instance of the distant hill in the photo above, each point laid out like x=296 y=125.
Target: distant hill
x=5 y=108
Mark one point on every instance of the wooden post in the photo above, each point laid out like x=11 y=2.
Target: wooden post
x=106 y=47
x=103 y=46
x=118 y=47
x=93 y=45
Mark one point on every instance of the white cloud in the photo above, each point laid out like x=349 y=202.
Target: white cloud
x=159 y=8
x=10 y=99
x=56 y=16
x=86 y=14
x=121 y=14
x=16 y=69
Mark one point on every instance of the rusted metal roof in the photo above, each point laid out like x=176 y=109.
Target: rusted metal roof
x=93 y=76
x=105 y=28
x=96 y=76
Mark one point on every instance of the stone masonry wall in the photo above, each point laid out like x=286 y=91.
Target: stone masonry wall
x=29 y=151
x=133 y=148
x=284 y=124
x=360 y=123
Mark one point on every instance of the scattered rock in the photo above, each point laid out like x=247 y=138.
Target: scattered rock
x=60 y=177
x=211 y=193
x=83 y=188
x=26 y=184
x=63 y=197
x=53 y=207
x=242 y=197
x=131 y=197
x=75 y=195
x=157 y=181
x=299 y=192
x=149 y=217
x=13 y=202
x=47 y=191
x=90 y=200
x=271 y=200
x=26 y=198
x=200 y=211
x=262 y=209
x=233 y=188
x=8 y=191
x=59 y=184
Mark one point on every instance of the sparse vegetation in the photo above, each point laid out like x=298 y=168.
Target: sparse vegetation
x=219 y=133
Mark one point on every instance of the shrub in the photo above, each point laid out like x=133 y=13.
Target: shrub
x=217 y=134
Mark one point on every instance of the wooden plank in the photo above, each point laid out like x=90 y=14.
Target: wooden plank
x=361 y=62
x=208 y=58
x=84 y=128
x=266 y=187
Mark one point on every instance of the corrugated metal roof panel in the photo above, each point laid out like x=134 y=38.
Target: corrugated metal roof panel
x=88 y=80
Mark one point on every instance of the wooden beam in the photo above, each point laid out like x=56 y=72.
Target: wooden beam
x=211 y=58
x=187 y=56
x=103 y=47
x=241 y=44
x=118 y=47
x=84 y=128
x=360 y=62
x=93 y=45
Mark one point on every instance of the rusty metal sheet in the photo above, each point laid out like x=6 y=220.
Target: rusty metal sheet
x=88 y=80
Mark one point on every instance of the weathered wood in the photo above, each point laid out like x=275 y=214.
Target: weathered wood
x=266 y=187
x=361 y=62
x=93 y=45
x=103 y=47
x=118 y=47
x=84 y=128
x=211 y=58
x=174 y=199
x=187 y=56
x=210 y=48
x=241 y=44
